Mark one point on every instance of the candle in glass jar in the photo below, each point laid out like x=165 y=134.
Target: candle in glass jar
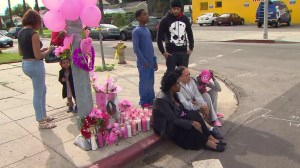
x=148 y=123
x=133 y=128
x=139 y=125
x=144 y=124
x=129 y=130
x=124 y=130
x=100 y=140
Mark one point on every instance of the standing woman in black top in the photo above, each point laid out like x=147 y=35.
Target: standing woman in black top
x=33 y=54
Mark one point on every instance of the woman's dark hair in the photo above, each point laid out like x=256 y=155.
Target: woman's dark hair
x=179 y=70
x=168 y=80
x=138 y=13
x=31 y=18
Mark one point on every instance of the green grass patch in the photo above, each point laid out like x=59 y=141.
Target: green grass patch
x=9 y=58
x=107 y=67
x=46 y=33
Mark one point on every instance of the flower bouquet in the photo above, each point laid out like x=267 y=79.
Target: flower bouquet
x=106 y=92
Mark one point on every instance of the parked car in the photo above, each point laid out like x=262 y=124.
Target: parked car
x=108 y=31
x=207 y=18
x=4 y=41
x=3 y=32
x=230 y=19
x=278 y=14
x=13 y=32
x=126 y=32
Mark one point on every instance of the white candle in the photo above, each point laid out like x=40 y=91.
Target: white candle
x=129 y=130
x=148 y=123
x=139 y=124
x=93 y=142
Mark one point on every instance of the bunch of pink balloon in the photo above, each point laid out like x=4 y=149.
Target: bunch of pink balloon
x=62 y=10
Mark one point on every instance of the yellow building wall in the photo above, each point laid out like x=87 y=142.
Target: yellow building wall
x=238 y=7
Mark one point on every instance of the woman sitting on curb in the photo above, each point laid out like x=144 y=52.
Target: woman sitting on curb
x=191 y=98
x=186 y=128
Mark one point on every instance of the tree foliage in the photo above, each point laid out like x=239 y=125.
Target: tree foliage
x=18 y=10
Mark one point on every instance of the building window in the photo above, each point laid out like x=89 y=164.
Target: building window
x=204 y=6
x=218 y=4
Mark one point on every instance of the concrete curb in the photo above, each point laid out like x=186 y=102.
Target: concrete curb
x=259 y=41
x=128 y=154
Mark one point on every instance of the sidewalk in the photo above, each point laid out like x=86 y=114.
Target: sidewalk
x=22 y=144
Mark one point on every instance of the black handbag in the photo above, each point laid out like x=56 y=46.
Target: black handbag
x=52 y=58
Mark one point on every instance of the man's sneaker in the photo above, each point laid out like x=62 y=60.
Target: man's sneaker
x=70 y=109
x=220 y=115
x=216 y=134
x=217 y=123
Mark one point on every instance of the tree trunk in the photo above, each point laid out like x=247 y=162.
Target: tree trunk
x=38 y=10
x=150 y=7
x=10 y=14
x=81 y=77
x=24 y=7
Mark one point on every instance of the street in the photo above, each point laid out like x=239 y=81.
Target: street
x=265 y=129
x=264 y=132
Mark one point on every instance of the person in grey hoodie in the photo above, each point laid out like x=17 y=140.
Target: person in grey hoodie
x=177 y=31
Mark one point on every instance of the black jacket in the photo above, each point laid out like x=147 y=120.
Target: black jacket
x=174 y=30
x=166 y=115
x=64 y=90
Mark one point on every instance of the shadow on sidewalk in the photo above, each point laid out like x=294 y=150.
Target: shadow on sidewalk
x=247 y=148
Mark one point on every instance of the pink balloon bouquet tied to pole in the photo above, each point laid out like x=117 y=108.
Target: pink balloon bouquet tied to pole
x=62 y=10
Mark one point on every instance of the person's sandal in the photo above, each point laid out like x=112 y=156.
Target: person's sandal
x=46 y=125
x=49 y=118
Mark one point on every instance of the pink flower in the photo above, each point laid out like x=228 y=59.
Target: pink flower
x=111 y=138
x=86 y=45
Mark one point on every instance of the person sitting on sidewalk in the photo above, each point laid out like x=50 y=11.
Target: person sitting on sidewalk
x=191 y=98
x=170 y=120
x=210 y=97
x=66 y=79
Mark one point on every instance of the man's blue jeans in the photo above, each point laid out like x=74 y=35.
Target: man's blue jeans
x=35 y=70
x=146 y=85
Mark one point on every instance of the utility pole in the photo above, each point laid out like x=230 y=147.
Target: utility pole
x=266 y=16
x=84 y=100
x=100 y=35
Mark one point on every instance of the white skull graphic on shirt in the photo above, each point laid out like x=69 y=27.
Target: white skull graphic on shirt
x=177 y=30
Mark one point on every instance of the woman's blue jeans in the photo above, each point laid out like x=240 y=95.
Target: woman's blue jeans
x=35 y=70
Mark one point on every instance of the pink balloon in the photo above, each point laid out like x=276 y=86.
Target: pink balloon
x=90 y=16
x=70 y=9
x=88 y=2
x=51 y=4
x=54 y=21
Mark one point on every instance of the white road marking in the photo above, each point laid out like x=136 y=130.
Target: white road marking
x=252 y=111
x=211 y=163
x=203 y=61
x=192 y=65
x=237 y=50
x=219 y=56
x=247 y=75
